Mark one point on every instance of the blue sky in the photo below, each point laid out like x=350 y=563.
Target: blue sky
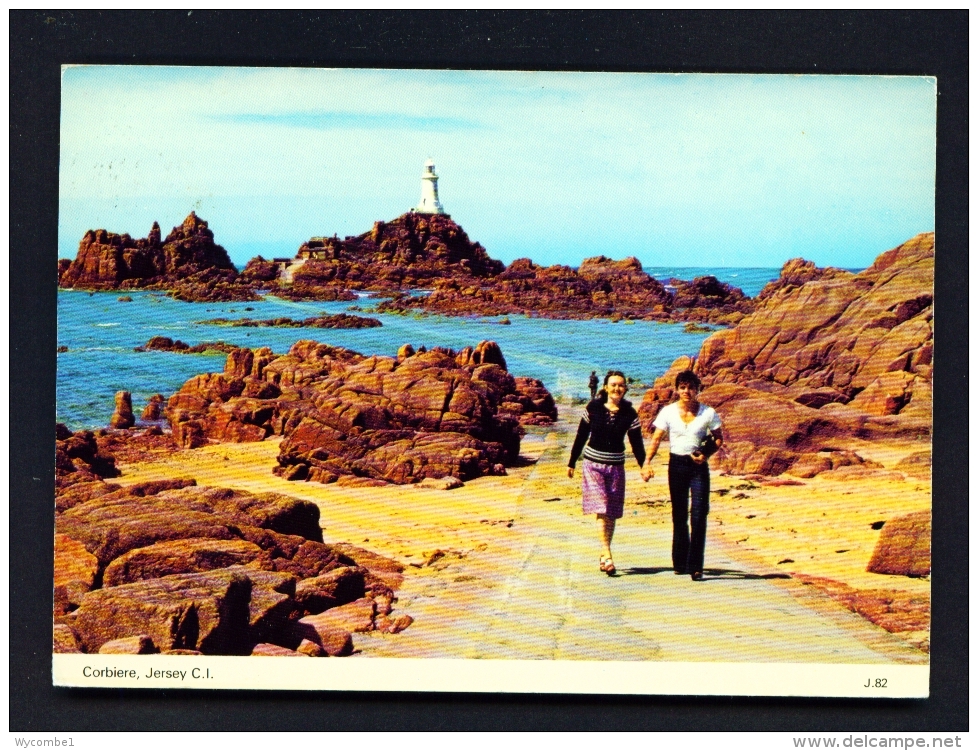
x=678 y=170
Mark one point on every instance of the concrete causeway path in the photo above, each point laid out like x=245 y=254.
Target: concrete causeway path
x=541 y=596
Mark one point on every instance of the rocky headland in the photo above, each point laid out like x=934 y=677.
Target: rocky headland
x=187 y=262
x=827 y=356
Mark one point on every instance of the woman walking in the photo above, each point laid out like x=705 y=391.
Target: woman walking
x=687 y=422
x=606 y=421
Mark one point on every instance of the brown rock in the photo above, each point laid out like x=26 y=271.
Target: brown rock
x=378 y=419
x=272 y=511
x=411 y=250
x=79 y=458
x=185 y=556
x=67 y=496
x=110 y=529
x=863 y=336
x=335 y=642
x=274 y=650
x=310 y=559
x=336 y=587
x=207 y=612
x=64 y=641
x=75 y=570
x=154 y=408
x=129 y=645
x=187 y=260
x=917 y=464
x=310 y=649
x=152 y=487
x=357 y=616
x=72 y=562
x=394 y=625
x=903 y=548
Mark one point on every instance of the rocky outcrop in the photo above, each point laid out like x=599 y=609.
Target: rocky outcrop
x=337 y=321
x=187 y=262
x=707 y=298
x=306 y=291
x=166 y=565
x=853 y=333
x=78 y=458
x=122 y=417
x=903 y=548
x=826 y=356
x=260 y=273
x=398 y=420
x=166 y=344
x=409 y=251
x=797 y=272
x=153 y=410
x=599 y=288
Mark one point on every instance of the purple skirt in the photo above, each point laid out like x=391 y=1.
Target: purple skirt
x=604 y=489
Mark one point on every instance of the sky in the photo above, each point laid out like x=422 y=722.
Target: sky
x=675 y=169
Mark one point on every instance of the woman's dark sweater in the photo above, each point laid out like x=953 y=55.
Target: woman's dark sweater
x=607 y=432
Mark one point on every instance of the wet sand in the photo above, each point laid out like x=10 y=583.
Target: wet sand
x=507 y=567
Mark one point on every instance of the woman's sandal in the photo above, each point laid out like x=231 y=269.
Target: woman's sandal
x=607 y=565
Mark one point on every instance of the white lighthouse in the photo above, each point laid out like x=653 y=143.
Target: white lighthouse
x=429 y=203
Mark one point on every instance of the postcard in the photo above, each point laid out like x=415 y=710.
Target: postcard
x=494 y=381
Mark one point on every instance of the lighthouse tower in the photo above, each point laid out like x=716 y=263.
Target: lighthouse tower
x=429 y=203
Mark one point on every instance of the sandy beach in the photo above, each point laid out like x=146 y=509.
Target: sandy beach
x=507 y=566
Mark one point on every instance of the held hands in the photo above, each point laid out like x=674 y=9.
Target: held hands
x=647 y=473
x=698 y=456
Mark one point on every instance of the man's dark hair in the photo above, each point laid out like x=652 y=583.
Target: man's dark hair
x=688 y=378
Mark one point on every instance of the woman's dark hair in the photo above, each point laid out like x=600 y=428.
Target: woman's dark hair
x=688 y=378
x=602 y=395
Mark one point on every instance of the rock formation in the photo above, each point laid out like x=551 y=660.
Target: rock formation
x=77 y=457
x=168 y=565
x=260 y=273
x=166 y=344
x=827 y=355
x=903 y=548
x=122 y=417
x=381 y=419
x=600 y=288
x=337 y=321
x=187 y=262
x=707 y=293
x=409 y=251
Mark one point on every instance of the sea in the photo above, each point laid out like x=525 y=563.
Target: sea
x=101 y=333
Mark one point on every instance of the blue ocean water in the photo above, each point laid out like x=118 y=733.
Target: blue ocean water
x=100 y=333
